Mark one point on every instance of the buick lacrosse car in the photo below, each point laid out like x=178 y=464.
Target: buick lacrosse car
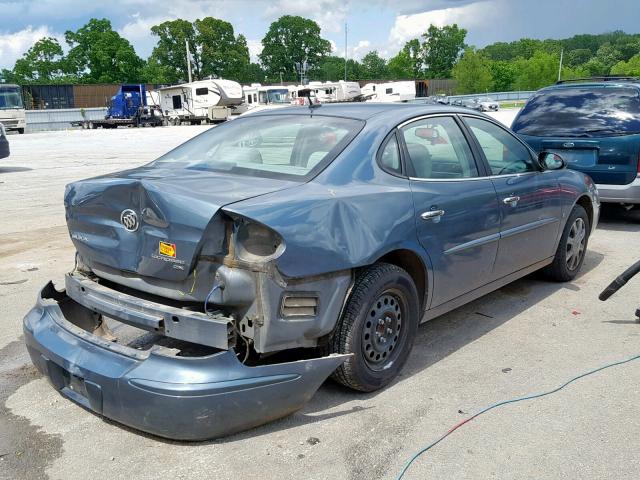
x=217 y=287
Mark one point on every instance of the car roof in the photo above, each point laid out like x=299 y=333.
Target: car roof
x=588 y=84
x=366 y=110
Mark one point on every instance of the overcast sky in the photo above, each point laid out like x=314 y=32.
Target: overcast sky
x=382 y=25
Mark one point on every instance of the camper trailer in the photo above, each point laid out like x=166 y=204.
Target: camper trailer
x=260 y=97
x=390 y=91
x=330 y=92
x=210 y=100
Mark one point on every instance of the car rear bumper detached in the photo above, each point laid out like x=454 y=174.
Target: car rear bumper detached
x=629 y=193
x=183 y=398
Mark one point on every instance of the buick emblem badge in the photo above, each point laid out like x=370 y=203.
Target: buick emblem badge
x=129 y=219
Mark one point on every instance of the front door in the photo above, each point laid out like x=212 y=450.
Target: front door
x=457 y=213
x=529 y=198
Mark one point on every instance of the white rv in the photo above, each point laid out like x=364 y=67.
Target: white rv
x=260 y=97
x=390 y=91
x=12 y=114
x=329 y=92
x=211 y=100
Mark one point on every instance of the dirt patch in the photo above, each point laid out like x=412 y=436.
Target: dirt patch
x=25 y=450
x=37 y=239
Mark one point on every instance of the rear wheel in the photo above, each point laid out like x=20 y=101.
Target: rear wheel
x=378 y=327
x=572 y=247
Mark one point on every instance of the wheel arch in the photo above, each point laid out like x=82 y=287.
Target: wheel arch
x=411 y=262
x=585 y=202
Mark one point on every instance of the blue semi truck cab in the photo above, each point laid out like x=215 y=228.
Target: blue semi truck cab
x=129 y=107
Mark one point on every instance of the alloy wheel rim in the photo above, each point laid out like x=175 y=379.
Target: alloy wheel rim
x=576 y=242
x=381 y=334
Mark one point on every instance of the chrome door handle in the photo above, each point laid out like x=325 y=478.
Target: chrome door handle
x=512 y=201
x=431 y=214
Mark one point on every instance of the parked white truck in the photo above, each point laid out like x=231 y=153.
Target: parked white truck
x=209 y=100
x=12 y=114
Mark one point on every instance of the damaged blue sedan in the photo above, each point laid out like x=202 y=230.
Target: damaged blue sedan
x=216 y=288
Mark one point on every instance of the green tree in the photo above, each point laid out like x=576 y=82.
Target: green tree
x=373 y=66
x=222 y=53
x=441 y=49
x=536 y=72
x=169 y=57
x=98 y=54
x=44 y=62
x=331 y=68
x=503 y=74
x=472 y=73
x=631 y=67
x=408 y=63
x=577 y=57
x=291 y=41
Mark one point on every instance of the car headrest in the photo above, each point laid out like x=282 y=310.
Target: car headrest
x=420 y=159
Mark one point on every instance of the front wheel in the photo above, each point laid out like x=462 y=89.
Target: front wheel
x=378 y=327
x=572 y=247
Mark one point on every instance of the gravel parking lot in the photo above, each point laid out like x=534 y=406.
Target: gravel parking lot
x=527 y=337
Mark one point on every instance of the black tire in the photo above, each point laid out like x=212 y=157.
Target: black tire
x=384 y=299
x=566 y=265
x=21 y=131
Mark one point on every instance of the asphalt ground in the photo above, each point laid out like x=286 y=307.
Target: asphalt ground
x=524 y=338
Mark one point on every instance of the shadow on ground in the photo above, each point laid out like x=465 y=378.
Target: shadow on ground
x=14 y=169
x=616 y=218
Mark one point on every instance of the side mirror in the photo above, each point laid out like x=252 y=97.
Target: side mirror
x=551 y=161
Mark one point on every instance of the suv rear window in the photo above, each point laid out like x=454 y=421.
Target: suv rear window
x=581 y=111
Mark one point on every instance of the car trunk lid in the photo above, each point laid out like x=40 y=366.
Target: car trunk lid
x=177 y=219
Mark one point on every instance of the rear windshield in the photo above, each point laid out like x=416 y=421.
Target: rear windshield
x=581 y=111
x=276 y=146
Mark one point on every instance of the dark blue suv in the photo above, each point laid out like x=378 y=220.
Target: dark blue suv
x=594 y=125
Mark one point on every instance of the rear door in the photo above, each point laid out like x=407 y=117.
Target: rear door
x=457 y=212
x=529 y=198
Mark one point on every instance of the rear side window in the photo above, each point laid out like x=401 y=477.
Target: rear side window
x=581 y=111
x=390 y=156
x=437 y=149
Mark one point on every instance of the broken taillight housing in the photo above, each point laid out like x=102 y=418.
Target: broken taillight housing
x=256 y=243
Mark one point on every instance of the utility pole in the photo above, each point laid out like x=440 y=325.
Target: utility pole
x=345 y=51
x=186 y=42
x=560 y=68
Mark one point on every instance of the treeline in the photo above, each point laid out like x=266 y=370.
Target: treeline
x=96 y=53
x=529 y=64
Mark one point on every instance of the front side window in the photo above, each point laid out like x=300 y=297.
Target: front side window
x=586 y=111
x=437 y=149
x=278 y=96
x=202 y=91
x=505 y=154
x=277 y=146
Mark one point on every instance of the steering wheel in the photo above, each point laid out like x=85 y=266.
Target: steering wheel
x=509 y=165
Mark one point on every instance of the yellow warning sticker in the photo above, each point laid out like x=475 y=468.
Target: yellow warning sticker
x=167 y=249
